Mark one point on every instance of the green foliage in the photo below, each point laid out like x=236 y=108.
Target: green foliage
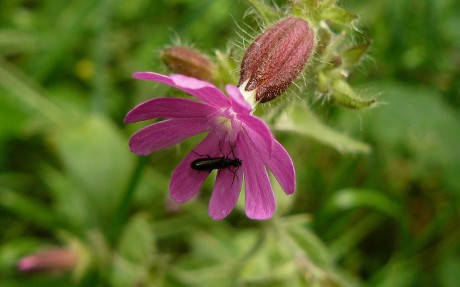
x=383 y=211
x=100 y=169
x=300 y=119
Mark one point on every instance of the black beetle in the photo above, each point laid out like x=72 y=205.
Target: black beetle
x=210 y=163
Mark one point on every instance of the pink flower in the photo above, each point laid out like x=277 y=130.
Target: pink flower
x=232 y=131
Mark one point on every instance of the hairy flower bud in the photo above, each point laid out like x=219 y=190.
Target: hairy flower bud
x=276 y=58
x=58 y=259
x=189 y=62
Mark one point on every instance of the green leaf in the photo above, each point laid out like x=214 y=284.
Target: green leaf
x=152 y=189
x=96 y=156
x=43 y=281
x=27 y=209
x=350 y=198
x=12 y=119
x=300 y=119
x=137 y=243
x=126 y=273
x=398 y=272
x=308 y=242
x=69 y=201
x=12 y=251
x=350 y=238
x=419 y=120
x=274 y=258
x=449 y=272
x=27 y=94
x=309 y=253
x=16 y=41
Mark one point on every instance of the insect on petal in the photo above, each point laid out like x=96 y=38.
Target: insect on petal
x=185 y=182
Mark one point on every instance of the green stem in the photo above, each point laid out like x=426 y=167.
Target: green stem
x=121 y=213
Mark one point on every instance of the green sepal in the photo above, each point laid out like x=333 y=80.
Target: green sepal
x=338 y=15
x=353 y=55
x=345 y=96
x=226 y=66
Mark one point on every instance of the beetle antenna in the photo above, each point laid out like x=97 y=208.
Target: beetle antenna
x=200 y=155
x=231 y=151
x=220 y=148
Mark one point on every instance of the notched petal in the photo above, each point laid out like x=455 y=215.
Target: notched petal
x=202 y=90
x=259 y=135
x=165 y=133
x=260 y=200
x=154 y=77
x=225 y=193
x=282 y=168
x=168 y=108
x=187 y=82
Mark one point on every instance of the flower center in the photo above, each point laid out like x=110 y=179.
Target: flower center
x=225 y=125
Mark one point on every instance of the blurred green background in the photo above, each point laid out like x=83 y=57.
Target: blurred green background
x=386 y=218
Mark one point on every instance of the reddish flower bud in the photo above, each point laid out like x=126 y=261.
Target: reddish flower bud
x=276 y=58
x=58 y=259
x=189 y=62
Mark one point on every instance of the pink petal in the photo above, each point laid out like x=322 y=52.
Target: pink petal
x=259 y=135
x=239 y=104
x=190 y=82
x=154 y=77
x=260 y=200
x=165 y=133
x=225 y=193
x=282 y=168
x=185 y=182
x=168 y=108
x=204 y=91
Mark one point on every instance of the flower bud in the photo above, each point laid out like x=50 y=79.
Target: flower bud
x=189 y=62
x=58 y=259
x=276 y=58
